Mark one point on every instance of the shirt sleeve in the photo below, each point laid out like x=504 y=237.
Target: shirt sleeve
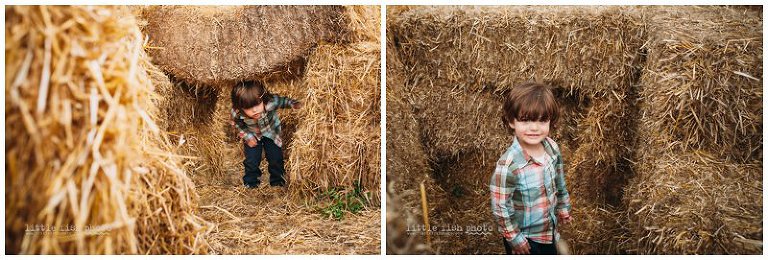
x=502 y=187
x=242 y=132
x=283 y=102
x=563 y=199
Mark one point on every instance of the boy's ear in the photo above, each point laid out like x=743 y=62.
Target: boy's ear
x=511 y=125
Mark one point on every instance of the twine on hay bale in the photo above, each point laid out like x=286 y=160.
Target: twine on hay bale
x=82 y=133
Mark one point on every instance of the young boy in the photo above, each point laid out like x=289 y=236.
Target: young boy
x=254 y=114
x=528 y=194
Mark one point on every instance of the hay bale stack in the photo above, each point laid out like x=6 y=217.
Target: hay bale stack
x=697 y=185
x=696 y=203
x=80 y=119
x=702 y=86
x=407 y=163
x=463 y=60
x=216 y=46
x=337 y=143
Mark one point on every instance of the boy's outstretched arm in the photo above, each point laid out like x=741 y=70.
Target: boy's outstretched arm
x=286 y=102
x=242 y=132
x=502 y=187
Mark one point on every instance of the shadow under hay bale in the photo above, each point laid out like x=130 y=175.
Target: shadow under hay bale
x=81 y=128
x=223 y=45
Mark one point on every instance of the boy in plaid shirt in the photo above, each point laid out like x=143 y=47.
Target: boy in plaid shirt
x=528 y=194
x=254 y=114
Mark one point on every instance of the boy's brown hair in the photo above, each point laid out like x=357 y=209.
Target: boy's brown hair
x=530 y=101
x=248 y=94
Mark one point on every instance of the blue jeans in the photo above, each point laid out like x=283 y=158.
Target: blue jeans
x=253 y=158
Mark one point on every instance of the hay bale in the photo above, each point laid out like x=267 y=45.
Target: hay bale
x=695 y=203
x=702 y=85
x=222 y=45
x=362 y=23
x=337 y=143
x=699 y=139
x=596 y=228
x=81 y=115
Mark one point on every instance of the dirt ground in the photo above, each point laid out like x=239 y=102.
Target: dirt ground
x=265 y=221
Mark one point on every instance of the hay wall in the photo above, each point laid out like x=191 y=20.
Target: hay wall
x=81 y=134
x=463 y=60
x=223 y=45
x=407 y=162
x=625 y=77
x=697 y=185
x=460 y=63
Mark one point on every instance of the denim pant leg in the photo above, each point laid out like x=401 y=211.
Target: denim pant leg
x=276 y=167
x=251 y=164
x=542 y=249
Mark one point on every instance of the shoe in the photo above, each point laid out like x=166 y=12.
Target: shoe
x=278 y=184
x=249 y=186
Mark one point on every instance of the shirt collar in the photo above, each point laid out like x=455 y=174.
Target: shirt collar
x=521 y=157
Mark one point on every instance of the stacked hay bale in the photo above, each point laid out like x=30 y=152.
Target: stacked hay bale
x=219 y=45
x=698 y=185
x=337 y=143
x=407 y=162
x=82 y=135
x=326 y=57
x=461 y=61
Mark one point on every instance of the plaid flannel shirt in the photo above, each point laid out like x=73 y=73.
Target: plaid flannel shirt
x=267 y=125
x=526 y=194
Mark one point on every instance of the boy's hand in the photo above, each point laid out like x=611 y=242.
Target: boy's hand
x=522 y=249
x=251 y=142
x=297 y=105
x=565 y=218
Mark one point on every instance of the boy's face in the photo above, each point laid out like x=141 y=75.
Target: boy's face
x=255 y=111
x=530 y=132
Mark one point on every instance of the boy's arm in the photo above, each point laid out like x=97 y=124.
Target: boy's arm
x=563 y=207
x=242 y=132
x=284 y=102
x=502 y=187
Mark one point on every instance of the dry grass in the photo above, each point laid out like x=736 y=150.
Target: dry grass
x=263 y=221
x=81 y=134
